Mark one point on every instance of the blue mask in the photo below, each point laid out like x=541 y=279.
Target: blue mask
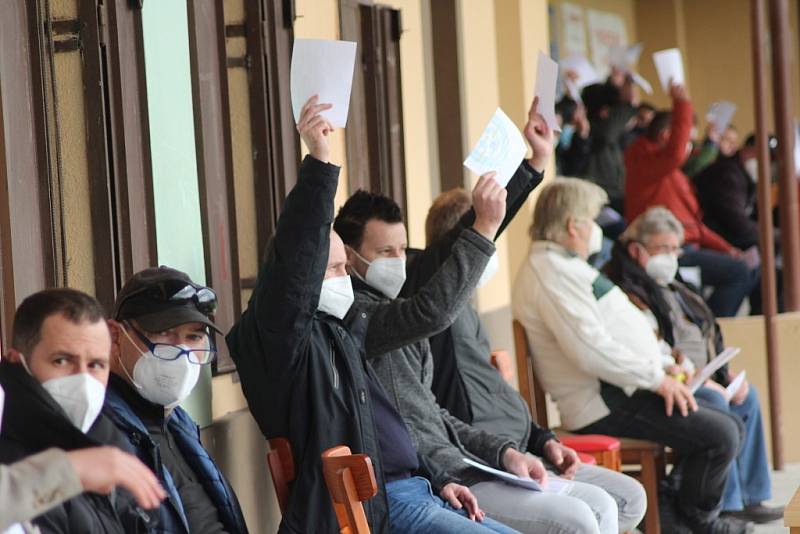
x=567 y=132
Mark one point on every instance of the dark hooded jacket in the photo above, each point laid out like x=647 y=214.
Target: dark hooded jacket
x=303 y=371
x=33 y=422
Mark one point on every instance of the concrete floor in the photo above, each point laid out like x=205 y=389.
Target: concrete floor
x=784 y=485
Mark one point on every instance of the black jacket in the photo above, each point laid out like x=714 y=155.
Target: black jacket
x=451 y=387
x=728 y=197
x=303 y=372
x=645 y=292
x=33 y=422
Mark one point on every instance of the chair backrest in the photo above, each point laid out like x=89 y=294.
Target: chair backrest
x=281 y=466
x=529 y=387
x=350 y=480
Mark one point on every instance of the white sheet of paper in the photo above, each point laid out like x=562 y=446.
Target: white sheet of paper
x=500 y=148
x=736 y=383
x=324 y=68
x=585 y=73
x=720 y=114
x=669 y=65
x=705 y=373
x=546 y=81
x=639 y=80
x=554 y=484
x=624 y=57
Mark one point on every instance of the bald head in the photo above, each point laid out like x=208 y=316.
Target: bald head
x=337 y=258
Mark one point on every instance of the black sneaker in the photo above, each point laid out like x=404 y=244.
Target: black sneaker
x=731 y=525
x=758 y=513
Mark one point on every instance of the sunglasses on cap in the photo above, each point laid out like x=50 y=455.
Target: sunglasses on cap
x=177 y=292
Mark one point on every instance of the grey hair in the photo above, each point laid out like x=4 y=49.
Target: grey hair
x=561 y=200
x=656 y=220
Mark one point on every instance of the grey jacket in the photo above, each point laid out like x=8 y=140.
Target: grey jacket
x=398 y=351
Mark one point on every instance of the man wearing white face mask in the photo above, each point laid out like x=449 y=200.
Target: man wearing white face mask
x=161 y=335
x=597 y=355
x=644 y=265
x=54 y=381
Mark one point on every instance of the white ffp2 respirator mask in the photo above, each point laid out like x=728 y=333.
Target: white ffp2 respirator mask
x=81 y=397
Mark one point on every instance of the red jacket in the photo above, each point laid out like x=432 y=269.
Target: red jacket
x=653 y=177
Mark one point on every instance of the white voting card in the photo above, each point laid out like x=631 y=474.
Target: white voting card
x=720 y=114
x=546 y=81
x=554 y=484
x=669 y=65
x=324 y=68
x=736 y=383
x=624 y=57
x=639 y=80
x=500 y=149
x=711 y=367
x=585 y=74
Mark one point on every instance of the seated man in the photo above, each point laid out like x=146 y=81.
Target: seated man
x=644 y=264
x=599 y=359
x=299 y=350
x=161 y=339
x=469 y=387
x=54 y=380
x=372 y=229
x=654 y=177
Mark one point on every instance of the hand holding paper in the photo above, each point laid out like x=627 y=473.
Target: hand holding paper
x=323 y=68
x=540 y=136
x=314 y=128
x=669 y=65
x=720 y=114
x=500 y=149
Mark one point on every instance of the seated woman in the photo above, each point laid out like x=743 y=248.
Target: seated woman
x=644 y=264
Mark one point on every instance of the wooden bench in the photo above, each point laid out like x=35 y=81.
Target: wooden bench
x=791 y=514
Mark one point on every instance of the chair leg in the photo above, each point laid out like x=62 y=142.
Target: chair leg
x=650 y=480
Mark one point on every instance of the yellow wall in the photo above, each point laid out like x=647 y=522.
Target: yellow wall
x=748 y=333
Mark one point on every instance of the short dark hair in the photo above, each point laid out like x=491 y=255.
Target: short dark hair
x=566 y=108
x=359 y=209
x=76 y=306
x=597 y=96
x=646 y=106
x=661 y=121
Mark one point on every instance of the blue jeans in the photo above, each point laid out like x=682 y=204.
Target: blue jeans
x=748 y=480
x=730 y=277
x=414 y=508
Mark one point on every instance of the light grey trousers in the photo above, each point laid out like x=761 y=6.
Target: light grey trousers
x=600 y=501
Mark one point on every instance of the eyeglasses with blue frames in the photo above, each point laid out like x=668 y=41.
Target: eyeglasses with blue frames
x=169 y=352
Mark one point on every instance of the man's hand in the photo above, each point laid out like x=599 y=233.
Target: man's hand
x=564 y=458
x=314 y=129
x=676 y=393
x=539 y=136
x=678 y=92
x=460 y=496
x=489 y=201
x=712 y=133
x=582 y=126
x=101 y=469
x=524 y=466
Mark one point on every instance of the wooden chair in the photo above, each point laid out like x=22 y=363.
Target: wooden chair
x=281 y=467
x=649 y=456
x=350 y=480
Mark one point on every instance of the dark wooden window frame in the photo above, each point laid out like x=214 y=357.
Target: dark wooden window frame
x=374 y=134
